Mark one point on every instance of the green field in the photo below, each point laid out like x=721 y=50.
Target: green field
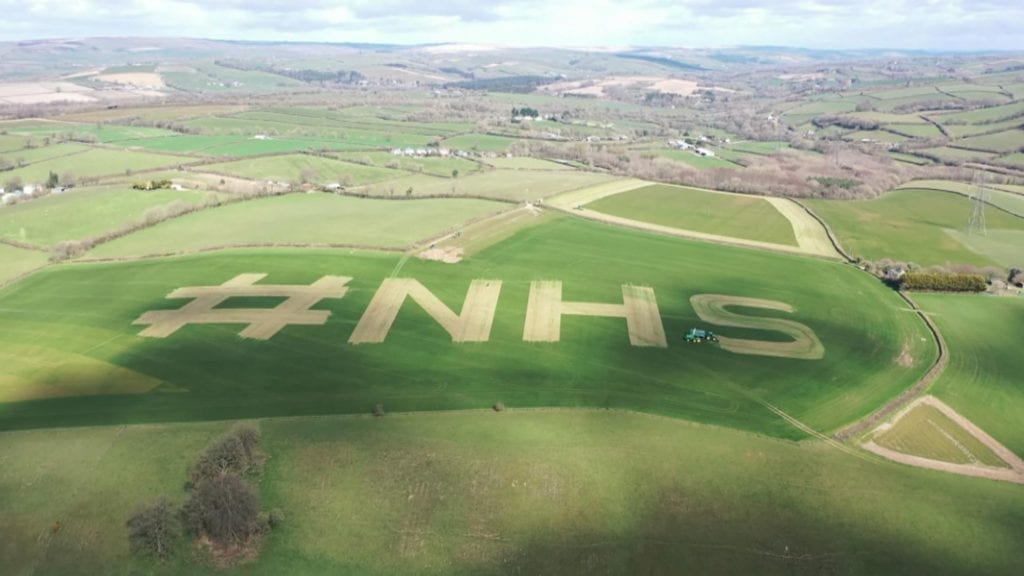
x=558 y=492
x=518 y=185
x=1011 y=201
x=311 y=369
x=83 y=212
x=435 y=166
x=691 y=159
x=983 y=115
x=1017 y=159
x=982 y=381
x=95 y=162
x=303 y=219
x=925 y=431
x=910 y=225
x=15 y=261
x=481 y=142
x=29 y=156
x=915 y=130
x=732 y=215
x=525 y=163
x=303 y=167
x=1009 y=141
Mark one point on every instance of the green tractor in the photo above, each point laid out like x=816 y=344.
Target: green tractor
x=698 y=336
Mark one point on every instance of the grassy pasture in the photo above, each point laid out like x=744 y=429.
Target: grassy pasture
x=819 y=107
x=154 y=113
x=294 y=167
x=15 y=261
x=1011 y=201
x=925 y=431
x=435 y=166
x=950 y=154
x=909 y=224
x=1005 y=247
x=312 y=369
x=689 y=158
x=303 y=219
x=525 y=163
x=879 y=135
x=1017 y=159
x=516 y=185
x=83 y=212
x=513 y=493
x=982 y=381
x=915 y=130
x=1009 y=141
x=732 y=215
x=481 y=142
x=966 y=130
x=11 y=143
x=30 y=156
x=762 y=148
x=983 y=115
x=95 y=162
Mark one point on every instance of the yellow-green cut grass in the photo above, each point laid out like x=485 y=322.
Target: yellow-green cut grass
x=927 y=432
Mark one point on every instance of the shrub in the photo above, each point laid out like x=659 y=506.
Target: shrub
x=153 y=530
x=943 y=282
x=378 y=410
x=225 y=509
x=499 y=407
x=237 y=452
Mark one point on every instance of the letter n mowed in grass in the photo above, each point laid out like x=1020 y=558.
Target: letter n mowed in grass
x=544 y=311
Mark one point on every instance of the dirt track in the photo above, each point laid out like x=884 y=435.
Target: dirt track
x=1013 y=474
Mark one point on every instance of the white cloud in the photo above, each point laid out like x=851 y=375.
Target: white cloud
x=925 y=24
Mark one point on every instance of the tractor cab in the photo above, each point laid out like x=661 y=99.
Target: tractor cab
x=697 y=336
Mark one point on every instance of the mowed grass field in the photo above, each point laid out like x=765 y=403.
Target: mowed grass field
x=312 y=369
x=911 y=225
x=925 y=431
x=316 y=218
x=719 y=213
x=84 y=212
x=299 y=167
x=555 y=492
x=982 y=381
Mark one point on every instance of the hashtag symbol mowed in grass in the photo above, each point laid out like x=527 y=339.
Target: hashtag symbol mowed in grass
x=263 y=323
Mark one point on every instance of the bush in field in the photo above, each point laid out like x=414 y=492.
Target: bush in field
x=234 y=453
x=943 y=282
x=154 y=530
x=225 y=509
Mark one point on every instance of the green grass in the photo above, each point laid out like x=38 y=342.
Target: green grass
x=435 y=166
x=877 y=135
x=513 y=493
x=297 y=167
x=525 y=163
x=984 y=115
x=733 y=215
x=982 y=381
x=312 y=369
x=909 y=225
x=10 y=143
x=481 y=142
x=819 y=107
x=927 y=432
x=1014 y=202
x=956 y=155
x=14 y=261
x=518 y=185
x=915 y=130
x=965 y=130
x=1008 y=141
x=239 y=145
x=96 y=162
x=303 y=219
x=83 y=212
x=762 y=148
x=1017 y=159
x=698 y=162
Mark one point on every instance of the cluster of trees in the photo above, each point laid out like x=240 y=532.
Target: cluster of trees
x=847 y=122
x=943 y=282
x=152 y=184
x=525 y=112
x=513 y=84
x=223 y=508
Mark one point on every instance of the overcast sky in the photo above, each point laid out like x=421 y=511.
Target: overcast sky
x=915 y=24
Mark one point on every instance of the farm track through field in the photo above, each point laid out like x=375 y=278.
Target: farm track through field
x=1015 y=474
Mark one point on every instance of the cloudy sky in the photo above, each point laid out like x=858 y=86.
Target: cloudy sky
x=916 y=24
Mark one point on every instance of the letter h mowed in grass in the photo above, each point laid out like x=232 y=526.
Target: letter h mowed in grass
x=544 y=312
